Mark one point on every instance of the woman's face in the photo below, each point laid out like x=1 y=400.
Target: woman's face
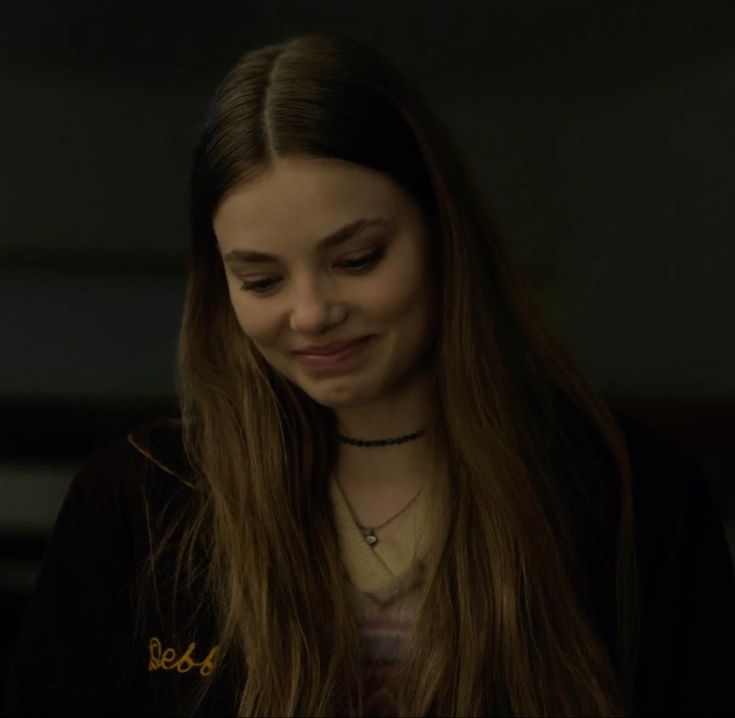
x=304 y=293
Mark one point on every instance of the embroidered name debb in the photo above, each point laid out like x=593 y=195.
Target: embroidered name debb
x=169 y=660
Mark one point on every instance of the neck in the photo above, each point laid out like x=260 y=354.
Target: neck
x=378 y=483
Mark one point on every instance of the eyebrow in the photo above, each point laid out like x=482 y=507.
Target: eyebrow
x=341 y=235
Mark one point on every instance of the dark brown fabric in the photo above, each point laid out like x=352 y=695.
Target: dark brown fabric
x=77 y=655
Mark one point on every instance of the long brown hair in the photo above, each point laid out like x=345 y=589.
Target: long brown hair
x=540 y=502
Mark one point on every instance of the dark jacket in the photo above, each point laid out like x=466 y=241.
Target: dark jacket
x=76 y=654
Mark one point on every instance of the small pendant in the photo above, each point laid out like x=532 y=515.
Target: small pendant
x=371 y=538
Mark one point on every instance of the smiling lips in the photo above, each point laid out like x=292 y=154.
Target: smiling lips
x=338 y=360
x=327 y=349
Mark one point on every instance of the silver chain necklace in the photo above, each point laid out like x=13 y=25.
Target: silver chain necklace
x=367 y=531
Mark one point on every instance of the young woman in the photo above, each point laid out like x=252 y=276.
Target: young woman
x=440 y=517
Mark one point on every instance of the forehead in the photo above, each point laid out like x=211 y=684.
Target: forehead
x=304 y=197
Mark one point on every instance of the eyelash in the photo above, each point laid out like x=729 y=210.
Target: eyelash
x=365 y=262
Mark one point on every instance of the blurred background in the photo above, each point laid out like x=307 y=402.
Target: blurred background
x=601 y=131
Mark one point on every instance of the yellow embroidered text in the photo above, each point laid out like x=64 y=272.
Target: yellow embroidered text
x=168 y=660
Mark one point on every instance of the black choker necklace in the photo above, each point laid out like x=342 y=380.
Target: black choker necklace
x=382 y=442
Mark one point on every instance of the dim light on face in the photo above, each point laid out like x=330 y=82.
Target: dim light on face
x=320 y=251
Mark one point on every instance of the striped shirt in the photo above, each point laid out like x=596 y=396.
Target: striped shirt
x=384 y=582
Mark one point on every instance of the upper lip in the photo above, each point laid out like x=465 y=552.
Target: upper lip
x=328 y=348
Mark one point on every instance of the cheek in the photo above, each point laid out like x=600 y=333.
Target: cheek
x=402 y=295
x=415 y=309
x=253 y=321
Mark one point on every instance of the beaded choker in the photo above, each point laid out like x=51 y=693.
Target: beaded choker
x=369 y=532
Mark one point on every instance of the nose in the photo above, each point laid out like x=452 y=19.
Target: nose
x=314 y=309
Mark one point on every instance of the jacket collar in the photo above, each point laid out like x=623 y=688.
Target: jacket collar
x=161 y=442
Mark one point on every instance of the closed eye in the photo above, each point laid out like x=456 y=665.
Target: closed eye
x=357 y=265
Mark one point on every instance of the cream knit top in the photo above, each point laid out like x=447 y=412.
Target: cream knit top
x=384 y=579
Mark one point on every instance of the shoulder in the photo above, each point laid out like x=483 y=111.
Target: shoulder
x=679 y=530
x=112 y=484
x=686 y=660
x=667 y=476
x=671 y=500
x=153 y=448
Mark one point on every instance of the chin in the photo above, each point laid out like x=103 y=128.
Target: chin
x=342 y=397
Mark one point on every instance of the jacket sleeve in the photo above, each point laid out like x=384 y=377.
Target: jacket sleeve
x=687 y=658
x=72 y=654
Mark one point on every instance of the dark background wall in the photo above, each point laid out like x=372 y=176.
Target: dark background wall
x=602 y=133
